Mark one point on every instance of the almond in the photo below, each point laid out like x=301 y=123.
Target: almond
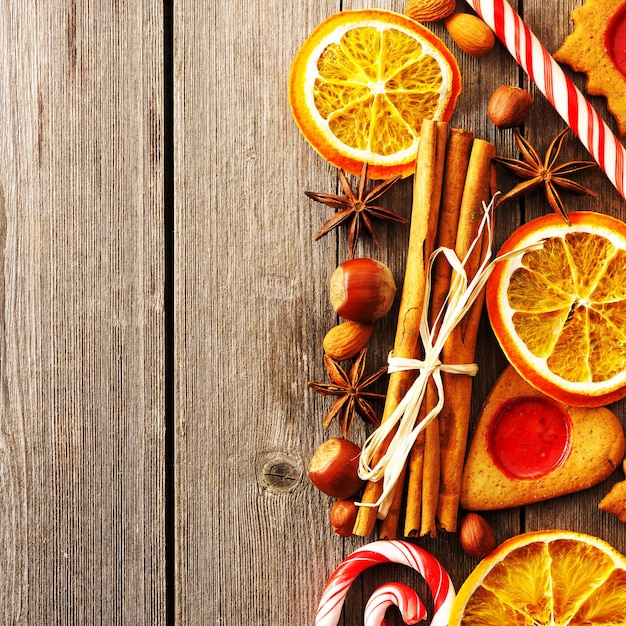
x=347 y=339
x=509 y=106
x=470 y=33
x=429 y=10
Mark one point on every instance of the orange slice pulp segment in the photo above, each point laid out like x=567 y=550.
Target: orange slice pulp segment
x=363 y=82
x=558 y=307
x=545 y=578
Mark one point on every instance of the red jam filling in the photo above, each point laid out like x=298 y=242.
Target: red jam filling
x=615 y=39
x=529 y=437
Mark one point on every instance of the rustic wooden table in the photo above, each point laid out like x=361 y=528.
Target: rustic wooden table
x=162 y=307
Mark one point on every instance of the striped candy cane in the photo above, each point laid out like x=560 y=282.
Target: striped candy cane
x=408 y=602
x=557 y=87
x=411 y=607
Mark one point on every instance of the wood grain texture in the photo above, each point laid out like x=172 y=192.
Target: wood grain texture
x=252 y=308
x=82 y=329
x=251 y=312
x=81 y=314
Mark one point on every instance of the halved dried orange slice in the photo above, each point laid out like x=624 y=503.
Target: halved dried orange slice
x=362 y=83
x=545 y=578
x=558 y=306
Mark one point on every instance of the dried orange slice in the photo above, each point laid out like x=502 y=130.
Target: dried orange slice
x=545 y=578
x=362 y=83
x=558 y=309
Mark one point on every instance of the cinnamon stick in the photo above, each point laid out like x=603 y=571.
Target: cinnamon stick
x=461 y=345
x=413 y=512
x=389 y=525
x=424 y=217
x=423 y=482
x=431 y=466
x=457 y=163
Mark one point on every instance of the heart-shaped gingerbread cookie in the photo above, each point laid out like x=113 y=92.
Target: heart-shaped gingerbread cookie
x=527 y=447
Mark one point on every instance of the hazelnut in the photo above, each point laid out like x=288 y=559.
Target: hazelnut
x=343 y=516
x=509 y=106
x=334 y=468
x=476 y=536
x=362 y=290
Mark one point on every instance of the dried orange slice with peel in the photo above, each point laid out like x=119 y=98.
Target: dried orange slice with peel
x=363 y=82
x=558 y=309
x=545 y=578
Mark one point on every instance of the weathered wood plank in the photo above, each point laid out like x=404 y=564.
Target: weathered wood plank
x=252 y=308
x=81 y=314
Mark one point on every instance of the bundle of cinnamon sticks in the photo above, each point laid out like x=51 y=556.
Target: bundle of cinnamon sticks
x=454 y=176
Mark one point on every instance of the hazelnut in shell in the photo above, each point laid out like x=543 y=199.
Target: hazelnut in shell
x=343 y=516
x=476 y=536
x=509 y=106
x=334 y=468
x=362 y=290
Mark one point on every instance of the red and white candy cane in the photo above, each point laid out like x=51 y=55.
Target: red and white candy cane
x=557 y=87
x=408 y=602
x=391 y=551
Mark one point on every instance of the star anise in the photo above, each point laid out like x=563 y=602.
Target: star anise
x=536 y=173
x=349 y=388
x=356 y=208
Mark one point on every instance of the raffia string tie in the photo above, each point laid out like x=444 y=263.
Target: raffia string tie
x=461 y=297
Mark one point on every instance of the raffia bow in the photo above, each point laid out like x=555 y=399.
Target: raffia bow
x=462 y=295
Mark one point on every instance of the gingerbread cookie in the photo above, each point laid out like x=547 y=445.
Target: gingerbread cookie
x=597 y=47
x=615 y=501
x=527 y=447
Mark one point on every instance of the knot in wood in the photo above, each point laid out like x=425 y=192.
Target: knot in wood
x=281 y=474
